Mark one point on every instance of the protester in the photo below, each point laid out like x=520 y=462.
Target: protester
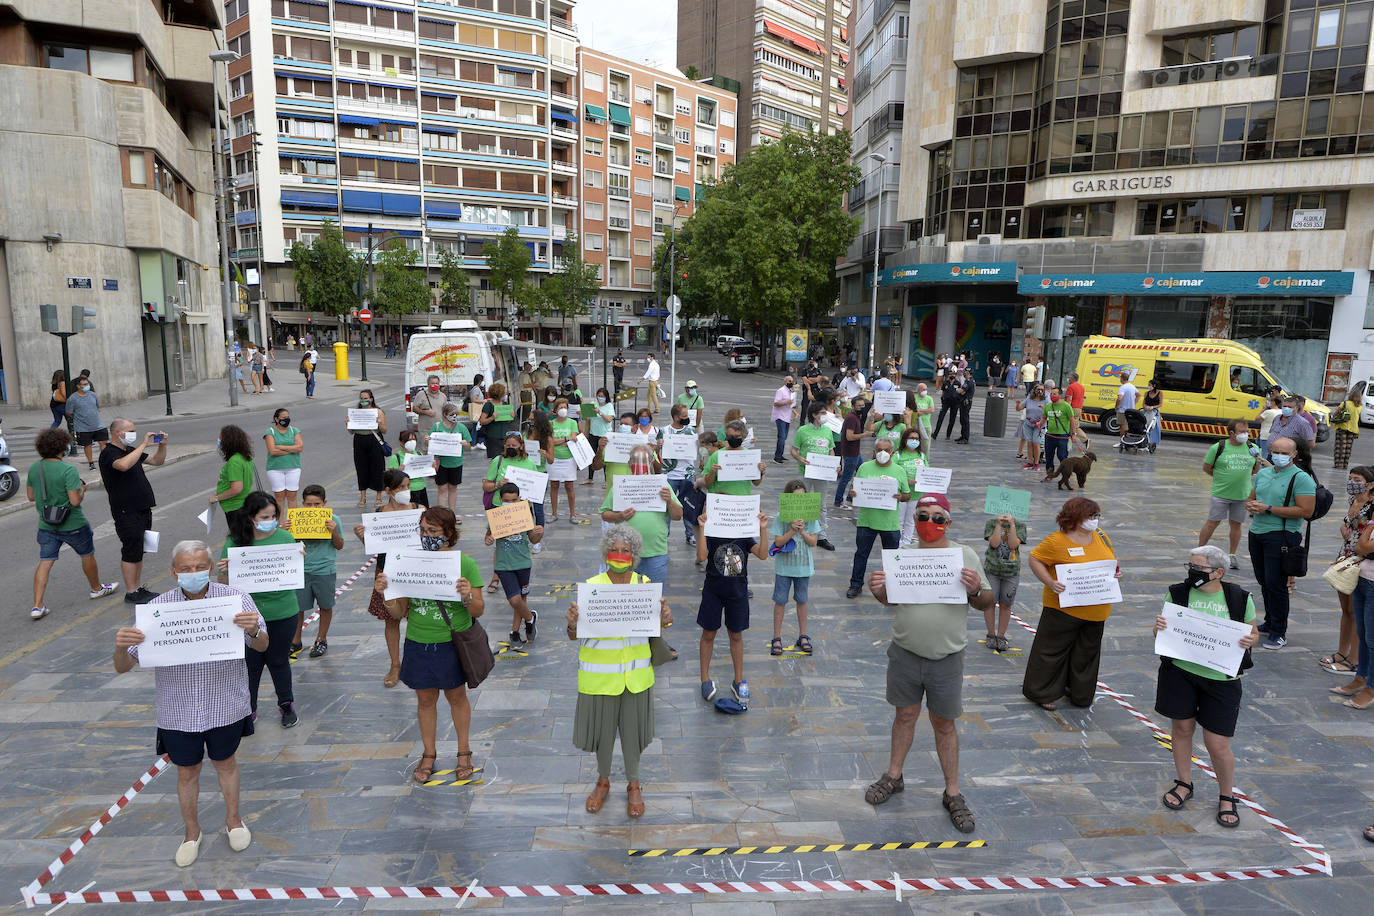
x=857 y=426
x=369 y=462
x=58 y=401
x=563 y=468
x=913 y=455
x=811 y=440
x=1002 y=563
x=1033 y=426
x=511 y=564
x=54 y=486
x=725 y=596
x=1230 y=463
x=431 y=663
x=284 y=447
x=83 y=407
x=1067 y=648
x=925 y=662
x=890 y=427
x=1060 y=425
x=681 y=473
x=651 y=382
x=1360 y=488
x=398 y=500
x=1281 y=493
x=920 y=407
x=429 y=401
x=599 y=426
x=410 y=445
x=784 y=412
x=875 y=524
x=696 y=407
x=321 y=573
x=652 y=526
x=1347 y=429
x=1190 y=694
x=131 y=498
x=448 y=473
x=201 y=707
x=793 y=567
x=1290 y=426
x=236 y=474
x=852 y=384
x=734 y=438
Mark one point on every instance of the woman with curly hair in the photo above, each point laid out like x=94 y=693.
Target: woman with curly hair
x=236 y=475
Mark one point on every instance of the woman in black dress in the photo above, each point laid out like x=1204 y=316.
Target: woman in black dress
x=368 y=460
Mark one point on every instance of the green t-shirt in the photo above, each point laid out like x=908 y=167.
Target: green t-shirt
x=396 y=461
x=1214 y=604
x=446 y=461
x=496 y=470
x=277 y=605
x=283 y=437
x=58 y=478
x=1058 y=418
x=652 y=526
x=1231 y=469
x=693 y=403
x=320 y=556
x=512 y=552
x=564 y=429
x=883 y=519
x=424 y=623
x=911 y=461
x=729 y=487
x=812 y=440
x=921 y=404
x=993 y=563
x=891 y=433
x=236 y=468
x=1271 y=488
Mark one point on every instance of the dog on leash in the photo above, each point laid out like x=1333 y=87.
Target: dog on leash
x=1077 y=466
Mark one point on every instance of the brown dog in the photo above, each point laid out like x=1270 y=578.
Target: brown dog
x=1078 y=466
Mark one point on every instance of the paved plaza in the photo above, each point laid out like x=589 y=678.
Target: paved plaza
x=1071 y=796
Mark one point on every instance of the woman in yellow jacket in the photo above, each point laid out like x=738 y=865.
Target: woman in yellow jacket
x=1347 y=430
x=615 y=679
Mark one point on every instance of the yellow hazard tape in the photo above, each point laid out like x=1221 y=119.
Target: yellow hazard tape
x=473 y=780
x=808 y=847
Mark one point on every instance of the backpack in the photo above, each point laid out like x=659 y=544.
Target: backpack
x=1236 y=597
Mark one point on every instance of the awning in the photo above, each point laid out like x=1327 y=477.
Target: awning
x=436 y=95
x=791 y=37
x=387 y=158
x=401 y=123
x=359 y=121
x=444 y=209
x=305 y=116
x=292 y=154
x=620 y=114
x=400 y=205
x=596 y=113
x=509 y=69
x=316 y=77
x=319 y=199
x=363 y=201
x=430 y=128
x=559 y=114
x=682 y=193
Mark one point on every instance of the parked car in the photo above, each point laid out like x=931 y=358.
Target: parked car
x=726 y=342
x=744 y=356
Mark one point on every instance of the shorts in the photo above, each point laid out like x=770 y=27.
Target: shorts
x=735 y=610
x=419 y=497
x=279 y=479
x=911 y=678
x=448 y=477
x=129 y=527
x=1221 y=508
x=1184 y=695
x=1032 y=434
x=514 y=581
x=318 y=589
x=1003 y=589
x=82 y=540
x=562 y=469
x=187 y=749
x=93 y=436
x=799 y=586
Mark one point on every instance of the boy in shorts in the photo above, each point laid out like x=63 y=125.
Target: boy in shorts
x=790 y=546
x=725 y=593
x=321 y=574
x=512 y=565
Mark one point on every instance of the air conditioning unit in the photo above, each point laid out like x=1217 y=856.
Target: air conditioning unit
x=990 y=239
x=1164 y=77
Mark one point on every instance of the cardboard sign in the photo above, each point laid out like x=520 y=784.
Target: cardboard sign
x=1199 y=637
x=740 y=464
x=619 y=610
x=679 y=447
x=581 y=451
x=1088 y=583
x=925 y=576
x=503 y=412
x=308 y=524
x=804 y=507
x=822 y=467
x=875 y=493
x=511 y=518
x=362 y=418
x=933 y=480
x=1006 y=501
x=423 y=574
x=893 y=402
x=618 y=446
x=384 y=532
x=185 y=632
x=532 y=484
x=418 y=466
x=270 y=568
x=446 y=445
x=639 y=492
x=731 y=516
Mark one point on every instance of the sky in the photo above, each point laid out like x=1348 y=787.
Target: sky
x=638 y=30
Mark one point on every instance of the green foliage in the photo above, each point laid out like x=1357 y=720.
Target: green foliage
x=325 y=272
x=692 y=73
x=400 y=290
x=508 y=260
x=454 y=283
x=573 y=287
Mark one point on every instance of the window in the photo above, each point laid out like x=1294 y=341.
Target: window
x=642 y=126
x=727 y=118
x=593 y=147
x=684 y=166
x=643 y=276
x=594 y=241
x=102 y=63
x=643 y=157
x=1248 y=380
x=1261 y=213
x=643 y=248
x=594 y=211
x=682 y=135
x=644 y=186
x=592 y=178
x=138 y=169
x=240 y=86
x=1328 y=28
x=1196 y=378
x=643 y=218
x=593 y=82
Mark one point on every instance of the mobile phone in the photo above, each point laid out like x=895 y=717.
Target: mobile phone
x=158 y=438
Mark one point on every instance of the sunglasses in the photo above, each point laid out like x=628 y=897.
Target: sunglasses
x=937 y=519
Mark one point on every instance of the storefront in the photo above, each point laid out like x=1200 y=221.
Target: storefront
x=956 y=307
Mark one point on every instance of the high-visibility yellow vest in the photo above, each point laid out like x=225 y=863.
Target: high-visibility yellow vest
x=615 y=665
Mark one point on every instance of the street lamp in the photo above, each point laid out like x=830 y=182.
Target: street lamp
x=877 y=251
x=224 y=57
x=365 y=301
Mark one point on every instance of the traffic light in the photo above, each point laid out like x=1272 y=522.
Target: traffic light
x=47 y=316
x=150 y=311
x=1035 y=321
x=1068 y=325
x=83 y=318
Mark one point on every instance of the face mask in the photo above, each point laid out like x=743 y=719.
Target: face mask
x=1090 y=524
x=791 y=384
x=641 y=467
x=679 y=422
x=1355 y=487
x=284 y=422
x=1288 y=411
x=734 y=441
x=433 y=387
x=619 y=562
x=130 y=438
x=266 y=527
x=601 y=399
x=888 y=418
x=364 y=402
x=83 y=388
x=1242 y=438
x=562 y=413
x=512 y=452
x=1281 y=461
x=450 y=418
x=1054 y=399
x=433 y=542
x=930 y=532
x=550 y=399
x=193 y=583
x=644 y=421
x=913 y=445
x=882 y=457
x=402 y=497
x=691 y=391
x=411 y=445
x=624 y=427
x=1197 y=578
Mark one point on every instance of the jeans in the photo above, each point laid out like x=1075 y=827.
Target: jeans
x=1156 y=432
x=863 y=546
x=655 y=569
x=782 y=426
x=310 y=385
x=691 y=498
x=1362 y=602
x=537 y=509
x=277 y=661
x=59 y=414
x=849 y=464
x=1264 y=559
x=1056 y=449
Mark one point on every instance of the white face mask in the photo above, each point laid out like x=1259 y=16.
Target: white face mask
x=411 y=445
x=130 y=438
x=562 y=413
x=403 y=497
x=882 y=457
x=1090 y=524
x=1242 y=438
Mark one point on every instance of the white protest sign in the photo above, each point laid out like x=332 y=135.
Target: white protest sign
x=446 y=445
x=532 y=449
x=423 y=574
x=875 y=492
x=639 y=492
x=731 y=516
x=925 y=576
x=184 y=632
x=618 y=446
x=150 y=541
x=581 y=451
x=834 y=423
x=739 y=464
x=1088 y=583
x=384 y=532
x=893 y=402
x=822 y=467
x=1196 y=636
x=678 y=447
x=205 y=517
x=362 y=418
x=532 y=484
x=933 y=480
x=618 y=610
x=418 y=465
x=270 y=568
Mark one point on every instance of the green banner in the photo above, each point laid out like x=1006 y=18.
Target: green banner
x=805 y=507
x=504 y=412
x=1006 y=501
x=588 y=410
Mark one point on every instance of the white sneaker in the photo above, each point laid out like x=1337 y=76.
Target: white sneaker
x=1235 y=564
x=39 y=613
x=106 y=588
x=536 y=548
x=188 y=852
x=239 y=838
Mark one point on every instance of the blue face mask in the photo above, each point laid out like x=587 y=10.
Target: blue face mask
x=1281 y=461
x=1288 y=411
x=193 y=583
x=266 y=527
x=643 y=421
x=624 y=428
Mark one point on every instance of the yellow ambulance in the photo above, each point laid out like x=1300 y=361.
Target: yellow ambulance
x=1205 y=381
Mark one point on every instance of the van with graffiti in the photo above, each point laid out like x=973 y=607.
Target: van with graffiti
x=1205 y=381
x=457 y=353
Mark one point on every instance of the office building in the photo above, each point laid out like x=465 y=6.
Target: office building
x=107 y=198
x=652 y=142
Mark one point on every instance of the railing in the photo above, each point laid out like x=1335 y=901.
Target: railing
x=661 y=168
x=621 y=97
x=564 y=130
x=397 y=107
x=373 y=33
x=1154 y=255
x=565 y=199
x=622 y=193
x=562 y=98
x=708 y=148
x=664 y=139
x=567 y=63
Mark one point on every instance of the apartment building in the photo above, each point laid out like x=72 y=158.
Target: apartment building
x=108 y=195
x=1153 y=169
x=652 y=142
x=439 y=122
x=789 y=57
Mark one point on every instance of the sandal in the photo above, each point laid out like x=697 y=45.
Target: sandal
x=1337 y=663
x=393 y=677
x=462 y=771
x=319 y=648
x=1369 y=834
x=804 y=643
x=1228 y=818
x=362 y=502
x=883 y=789
x=775 y=646
x=553 y=517
x=421 y=773
x=990 y=641
x=959 y=814
x=1180 y=798
x=495 y=584
x=296 y=648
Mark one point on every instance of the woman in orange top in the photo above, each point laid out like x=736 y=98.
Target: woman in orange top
x=1064 y=657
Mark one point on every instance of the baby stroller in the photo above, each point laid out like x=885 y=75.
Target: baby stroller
x=1137 y=432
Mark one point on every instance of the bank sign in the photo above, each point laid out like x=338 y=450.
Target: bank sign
x=1277 y=283
x=950 y=272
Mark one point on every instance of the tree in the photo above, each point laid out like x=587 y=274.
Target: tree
x=401 y=290
x=508 y=259
x=573 y=286
x=692 y=73
x=325 y=272
x=455 y=284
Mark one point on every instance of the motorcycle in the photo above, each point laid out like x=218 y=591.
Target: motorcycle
x=9 y=474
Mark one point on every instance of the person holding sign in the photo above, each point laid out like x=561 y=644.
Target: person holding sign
x=1002 y=563
x=1192 y=694
x=811 y=440
x=792 y=569
x=256 y=525
x=203 y=706
x=877 y=523
x=681 y=472
x=735 y=432
x=925 y=663
x=563 y=469
x=369 y=463
x=1067 y=648
x=321 y=573
x=430 y=663
x=725 y=593
x=398 y=500
x=857 y=426
x=615 y=680
x=410 y=447
x=913 y=455
x=515 y=455
x=284 y=447
x=236 y=474
x=652 y=526
x=448 y=474
x=512 y=564
x=598 y=425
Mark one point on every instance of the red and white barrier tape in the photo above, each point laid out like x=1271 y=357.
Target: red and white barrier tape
x=341 y=589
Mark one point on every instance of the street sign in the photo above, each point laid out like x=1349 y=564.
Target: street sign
x=671 y=325
x=674 y=305
x=365 y=315
x=78 y=283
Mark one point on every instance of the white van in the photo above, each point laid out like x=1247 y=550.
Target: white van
x=457 y=353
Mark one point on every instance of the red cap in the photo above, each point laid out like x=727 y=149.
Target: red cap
x=933 y=499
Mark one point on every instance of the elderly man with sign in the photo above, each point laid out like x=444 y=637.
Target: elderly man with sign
x=201 y=706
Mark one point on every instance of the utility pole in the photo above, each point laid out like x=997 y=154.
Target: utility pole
x=222 y=57
x=877 y=252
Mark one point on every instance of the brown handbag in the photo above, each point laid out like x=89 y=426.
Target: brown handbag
x=474 y=651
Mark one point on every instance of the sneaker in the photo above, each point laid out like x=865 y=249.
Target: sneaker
x=288 y=714
x=39 y=613
x=691 y=541
x=90 y=465
x=741 y=690
x=529 y=625
x=1274 y=642
x=708 y=690
x=106 y=588
x=296 y=647
x=319 y=648
x=515 y=640
x=824 y=544
x=139 y=595
x=1028 y=466
x=536 y=548
x=1263 y=628
x=1235 y=564
x=852 y=592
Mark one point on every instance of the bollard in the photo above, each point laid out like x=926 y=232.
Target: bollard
x=340 y=361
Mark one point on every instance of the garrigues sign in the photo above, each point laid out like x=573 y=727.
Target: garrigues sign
x=1129 y=183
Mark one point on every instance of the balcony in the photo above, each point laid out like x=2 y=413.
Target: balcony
x=372 y=33
x=618 y=222
x=564 y=200
x=620 y=162
x=563 y=25
x=562 y=98
x=706 y=149
x=564 y=168
x=559 y=232
x=862 y=248
x=563 y=64
x=664 y=139
x=620 y=96
x=562 y=131
x=354 y=144
x=381 y=106
x=663 y=168
x=621 y=193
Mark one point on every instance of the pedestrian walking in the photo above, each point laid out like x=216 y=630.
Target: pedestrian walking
x=308 y=370
x=1126 y=397
x=790 y=547
x=784 y=412
x=1060 y=425
x=267 y=361
x=1075 y=395
x=369 y=458
x=651 y=382
x=567 y=372
x=1360 y=690
x=511 y=565
x=875 y=524
x=321 y=574
x=725 y=598
x=1230 y=463
x=83 y=407
x=131 y=498
x=410 y=446
x=256 y=361
x=1002 y=563
x=1033 y=426
x=1282 y=493
x=1273 y=410
x=284 y=447
x=57 y=491
x=57 y=403
x=1345 y=419
x=1029 y=371
x=236 y=474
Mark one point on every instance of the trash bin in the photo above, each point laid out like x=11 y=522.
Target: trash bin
x=340 y=361
x=995 y=414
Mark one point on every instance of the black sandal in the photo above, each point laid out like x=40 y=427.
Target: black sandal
x=883 y=789
x=319 y=648
x=1175 y=793
x=775 y=646
x=959 y=814
x=1228 y=818
x=804 y=643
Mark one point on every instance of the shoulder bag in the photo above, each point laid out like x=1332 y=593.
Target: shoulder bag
x=489 y=499
x=1293 y=560
x=51 y=515
x=386 y=446
x=1344 y=574
x=474 y=652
